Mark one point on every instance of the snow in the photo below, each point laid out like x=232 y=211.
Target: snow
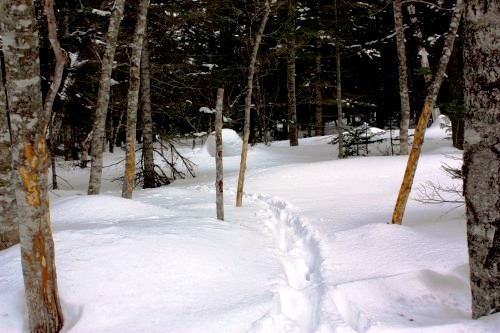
x=231 y=143
x=311 y=249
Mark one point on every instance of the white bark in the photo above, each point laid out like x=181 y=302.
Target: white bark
x=219 y=179
x=403 y=79
x=9 y=221
x=30 y=160
x=103 y=98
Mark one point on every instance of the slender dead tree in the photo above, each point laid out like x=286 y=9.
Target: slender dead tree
x=292 y=98
x=411 y=166
x=98 y=128
x=248 y=103
x=319 y=129
x=340 y=118
x=403 y=78
x=133 y=98
x=147 y=120
x=219 y=179
x=481 y=168
x=30 y=160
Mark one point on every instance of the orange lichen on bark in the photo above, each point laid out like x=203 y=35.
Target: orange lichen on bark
x=29 y=176
x=32 y=186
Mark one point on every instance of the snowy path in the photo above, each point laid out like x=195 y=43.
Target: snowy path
x=299 y=291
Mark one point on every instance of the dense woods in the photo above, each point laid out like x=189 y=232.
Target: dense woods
x=105 y=75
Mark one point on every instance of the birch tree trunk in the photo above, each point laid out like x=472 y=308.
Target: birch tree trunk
x=403 y=79
x=101 y=111
x=147 y=120
x=9 y=221
x=319 y=129
x=482 y=153
x=411 y=166
x=292 y=98
x=219 y=180
x=248 y=104
x=133 y=98
x=30 y=160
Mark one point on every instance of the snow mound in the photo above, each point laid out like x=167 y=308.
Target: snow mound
x=231 y=143
x=77 y=209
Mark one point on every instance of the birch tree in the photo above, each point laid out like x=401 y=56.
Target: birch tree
x=219 y=179
x=430 y=101
x=403 y=79
x=30 y=161
x=9 y=234
x=482 y=152
x=133 y=98
x=248 y=103
x=98 y=128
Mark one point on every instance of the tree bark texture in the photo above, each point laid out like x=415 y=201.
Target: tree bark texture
x=219 y=178
x=481 y=168
x=30 y=161
x=319 y=129
x=9 y=221
x=133 y=98
x=103 y=98
x=248 y=104
x=340 y=121
x=147 y=120
x=292 y=98
x=411 y=166
x=403 y=79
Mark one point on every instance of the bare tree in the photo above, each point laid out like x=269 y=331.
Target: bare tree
x=219 y=180
x=340 y=121
x=292 y=98
x=147 y=120
x=9 y=221
x=133 y=98
x=103 y=98
x=403 y=79
x=319 y=129
x=30 y=159
x=482 y=153
x=248 y=103
x=411 y=166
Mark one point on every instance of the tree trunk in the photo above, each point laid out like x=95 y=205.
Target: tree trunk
x=30 y=159
x=411 y=167
x=403 y=79
x=340 y=120
x=9 y=221
x=482 y=153
x=248 y=104
x=103 y=98
x=319 y=129
x=147 y=120
x=133 y=98
x=292 y=98
x=219 y=180
x=68 y=142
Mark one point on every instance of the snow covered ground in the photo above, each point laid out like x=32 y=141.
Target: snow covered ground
x=309 y=251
